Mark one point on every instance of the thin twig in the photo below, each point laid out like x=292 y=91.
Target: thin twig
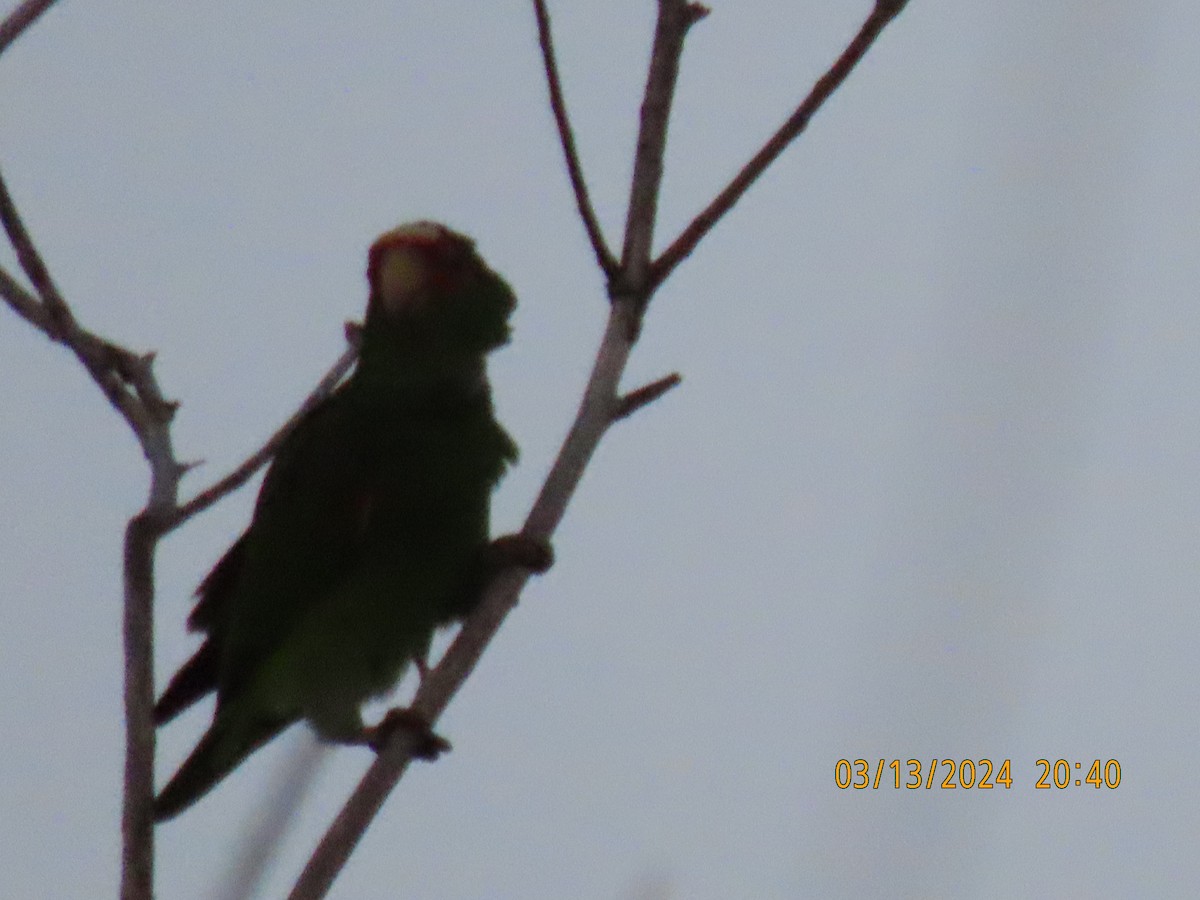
x=631 y=402
x=59 y=316
x=604 y=256
x=20 y=19
x=260 y=457
x=27 y=306
x=682 y=246
x=125 y=377
x=674 y=19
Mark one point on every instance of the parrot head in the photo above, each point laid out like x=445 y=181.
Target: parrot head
x=429 y=286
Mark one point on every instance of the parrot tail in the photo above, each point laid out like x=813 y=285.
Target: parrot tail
x=197 y=678
x=217 y=754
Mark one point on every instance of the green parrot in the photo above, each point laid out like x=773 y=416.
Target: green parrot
x=371 y=527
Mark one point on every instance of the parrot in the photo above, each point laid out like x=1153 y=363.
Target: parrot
x=371 y=528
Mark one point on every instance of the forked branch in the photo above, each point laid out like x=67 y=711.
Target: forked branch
x=883 y=13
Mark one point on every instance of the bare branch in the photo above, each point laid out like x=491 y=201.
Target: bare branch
x=57 y=318
x=674 y=19
x=137 y=818
x=20 y=19
x=604 y=256
x=630 y=403
x=27 y=306
x=126 y=378
x=881 y=15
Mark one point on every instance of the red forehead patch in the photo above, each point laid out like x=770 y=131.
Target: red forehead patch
x=444 y=250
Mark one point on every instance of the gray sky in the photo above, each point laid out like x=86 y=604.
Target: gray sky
x=929 y=488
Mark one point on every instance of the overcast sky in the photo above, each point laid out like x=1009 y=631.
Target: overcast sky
x=929 y=488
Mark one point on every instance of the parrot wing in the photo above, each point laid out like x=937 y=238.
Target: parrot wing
x=305 y=537
x=198 y=676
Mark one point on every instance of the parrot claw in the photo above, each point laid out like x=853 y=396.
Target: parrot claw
x=429 y=746
x=521 y=551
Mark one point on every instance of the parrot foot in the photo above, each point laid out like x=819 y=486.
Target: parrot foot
x=430 y=745
x=520 y=551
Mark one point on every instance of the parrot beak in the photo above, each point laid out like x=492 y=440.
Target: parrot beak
x=400 y=278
